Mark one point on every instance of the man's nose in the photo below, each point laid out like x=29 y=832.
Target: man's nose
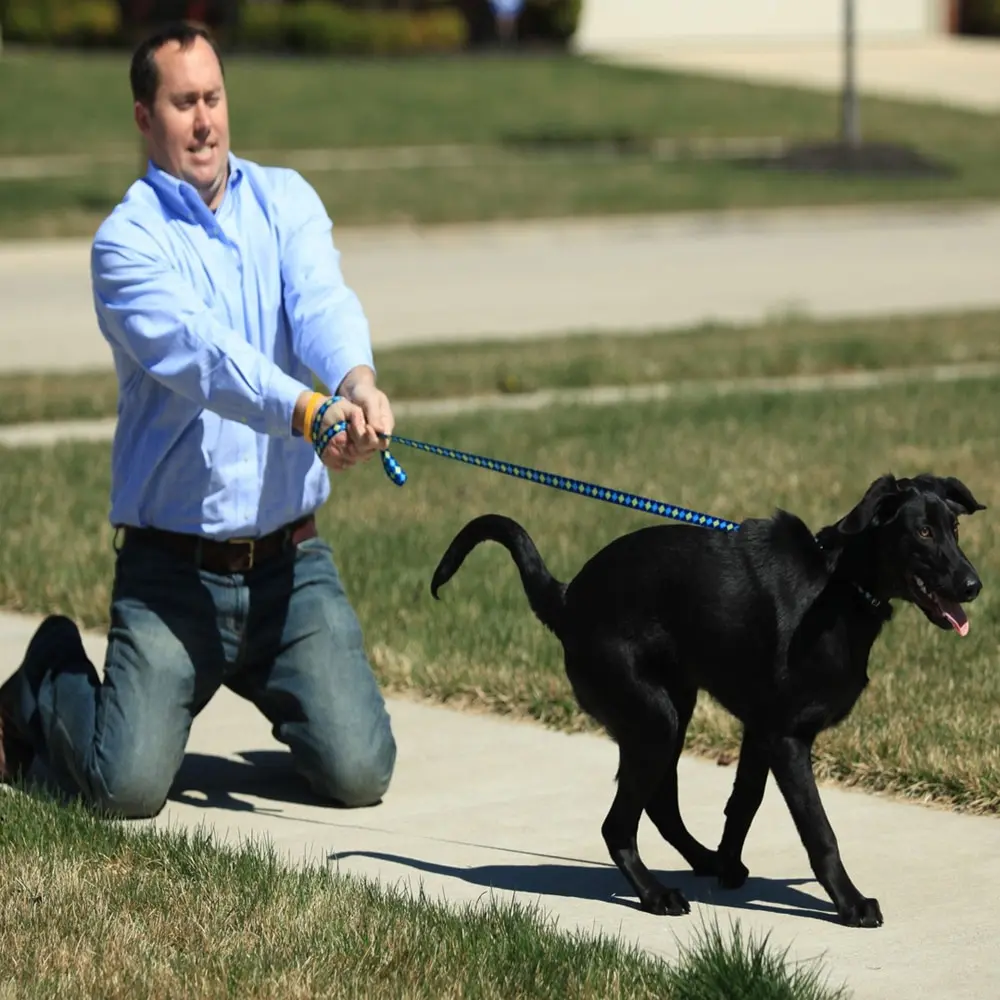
x=202 y=119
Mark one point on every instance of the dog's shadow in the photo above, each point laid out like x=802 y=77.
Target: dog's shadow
x=220 y=782
x=604 y=883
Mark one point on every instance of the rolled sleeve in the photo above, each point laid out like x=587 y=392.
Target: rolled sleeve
x=330 y=330
x=148 y=309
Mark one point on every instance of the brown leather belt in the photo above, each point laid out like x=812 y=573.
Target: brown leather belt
x=235 y=555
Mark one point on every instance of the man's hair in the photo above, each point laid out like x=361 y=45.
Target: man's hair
x=144 y=74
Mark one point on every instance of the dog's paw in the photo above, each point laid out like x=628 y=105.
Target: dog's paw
x=732 y=874
x=863 y=913
x=706 y=863
x=666 y=902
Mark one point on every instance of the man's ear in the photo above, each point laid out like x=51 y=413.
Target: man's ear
x=142 y=115
x=953 y=491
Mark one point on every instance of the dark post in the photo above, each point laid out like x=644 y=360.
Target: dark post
x=850 y=123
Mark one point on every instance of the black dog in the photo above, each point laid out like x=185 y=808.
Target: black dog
x=774 y=622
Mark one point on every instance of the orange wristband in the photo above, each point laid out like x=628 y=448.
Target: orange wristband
x=314 y=400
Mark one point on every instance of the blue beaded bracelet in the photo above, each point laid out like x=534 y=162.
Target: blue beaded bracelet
x=317 y=422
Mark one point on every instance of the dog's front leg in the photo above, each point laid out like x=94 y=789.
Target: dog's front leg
x=744 y=801
x=791 y=763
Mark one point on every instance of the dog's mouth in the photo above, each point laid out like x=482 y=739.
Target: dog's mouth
x=941 y=610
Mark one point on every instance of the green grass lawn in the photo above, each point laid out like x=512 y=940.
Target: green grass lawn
x=792 y=346
x=91 y=908
x=72 y=103
x=926 y=726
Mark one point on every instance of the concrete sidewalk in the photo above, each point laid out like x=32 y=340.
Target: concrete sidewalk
x=516 y=280
x=483 y=805
x=961 y=72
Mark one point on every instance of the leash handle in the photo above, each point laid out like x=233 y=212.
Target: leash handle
x=392 y=468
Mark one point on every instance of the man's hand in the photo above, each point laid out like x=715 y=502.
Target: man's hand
x=339 y=452
x=364 y=437
x=363 y=407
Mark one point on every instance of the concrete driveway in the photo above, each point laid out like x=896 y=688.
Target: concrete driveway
x=962 y=72
x=514 y=280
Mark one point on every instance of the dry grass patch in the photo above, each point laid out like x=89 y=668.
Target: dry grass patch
x=94 y=908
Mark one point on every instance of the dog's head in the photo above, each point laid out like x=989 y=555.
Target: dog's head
x=910 y=527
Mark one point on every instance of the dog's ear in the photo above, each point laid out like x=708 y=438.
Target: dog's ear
x=953 y=491
x=879 y=505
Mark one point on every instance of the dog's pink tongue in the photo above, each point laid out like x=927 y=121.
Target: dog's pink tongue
x=954 y=613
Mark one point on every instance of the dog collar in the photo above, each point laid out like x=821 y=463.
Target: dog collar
x=869 y=597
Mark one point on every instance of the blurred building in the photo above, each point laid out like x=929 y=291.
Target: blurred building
x=744 y=23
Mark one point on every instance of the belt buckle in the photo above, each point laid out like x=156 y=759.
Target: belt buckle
x=252 y=543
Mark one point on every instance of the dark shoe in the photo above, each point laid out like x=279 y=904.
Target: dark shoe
x=16 y=753
x=54 y=637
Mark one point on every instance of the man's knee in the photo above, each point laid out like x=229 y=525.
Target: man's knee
x=354 y=778
x=132 y=789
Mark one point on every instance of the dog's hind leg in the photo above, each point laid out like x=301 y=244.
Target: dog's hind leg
x=663 y=807
x=640 y=771
x=744 y=801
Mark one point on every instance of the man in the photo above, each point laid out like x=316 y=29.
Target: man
x=505 y=15
x=218 y=288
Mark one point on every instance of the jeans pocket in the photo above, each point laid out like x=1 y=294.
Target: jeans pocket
x=316 y=544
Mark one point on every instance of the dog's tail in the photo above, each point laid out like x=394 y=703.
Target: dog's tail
x=546 y=595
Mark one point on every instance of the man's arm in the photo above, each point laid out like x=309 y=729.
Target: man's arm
x=329 y=327
x=161 y=323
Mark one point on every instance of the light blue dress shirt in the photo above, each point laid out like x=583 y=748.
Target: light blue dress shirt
x=216 y=322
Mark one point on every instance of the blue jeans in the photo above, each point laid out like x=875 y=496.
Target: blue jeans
x=282 y=635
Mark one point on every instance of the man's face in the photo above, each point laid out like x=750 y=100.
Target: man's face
x=187 y=127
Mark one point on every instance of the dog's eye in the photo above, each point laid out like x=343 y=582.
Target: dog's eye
x=924 y=531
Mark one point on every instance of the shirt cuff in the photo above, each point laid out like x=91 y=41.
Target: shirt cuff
x=283 y=392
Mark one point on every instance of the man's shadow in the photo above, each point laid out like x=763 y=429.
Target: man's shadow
x=604 y=883
x=211 y=782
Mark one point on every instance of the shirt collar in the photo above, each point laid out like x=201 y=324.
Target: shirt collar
x=181 y=198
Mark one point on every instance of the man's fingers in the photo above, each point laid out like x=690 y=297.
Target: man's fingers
x=369 y=424
x=333 y=453
x=338 y=462
x=382 y=422
x=358 y=424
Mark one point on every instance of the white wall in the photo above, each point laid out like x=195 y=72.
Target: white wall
x=742 y=22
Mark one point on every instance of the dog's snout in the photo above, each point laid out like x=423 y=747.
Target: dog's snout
x=969 y=588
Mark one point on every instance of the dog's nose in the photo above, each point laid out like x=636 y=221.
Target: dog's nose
x=969 y=588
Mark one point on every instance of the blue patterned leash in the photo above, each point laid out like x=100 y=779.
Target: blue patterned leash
x=580 y=487
x=633 y=501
